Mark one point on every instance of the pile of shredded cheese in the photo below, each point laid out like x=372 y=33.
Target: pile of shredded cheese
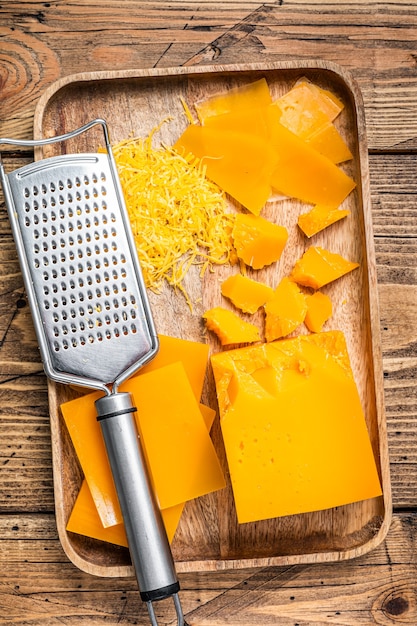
x=178 y=217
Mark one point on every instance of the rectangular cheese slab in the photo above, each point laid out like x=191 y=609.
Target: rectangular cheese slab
x=181 y=456
x=295 y=434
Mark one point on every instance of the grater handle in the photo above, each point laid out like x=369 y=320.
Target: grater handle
x=148 y=543
x=43 y=142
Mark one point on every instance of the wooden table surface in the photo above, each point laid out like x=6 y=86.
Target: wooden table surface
x=42 y=42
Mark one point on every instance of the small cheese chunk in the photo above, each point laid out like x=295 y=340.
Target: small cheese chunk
x=319 y=218
x=229 y=327
x=319 y=310
x=294 y=430
x=318 y=267
x=258 y=242
x=285 y=311
x=245 y=293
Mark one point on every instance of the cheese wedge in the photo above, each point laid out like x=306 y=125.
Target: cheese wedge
x=229 y=327
x=320 y=217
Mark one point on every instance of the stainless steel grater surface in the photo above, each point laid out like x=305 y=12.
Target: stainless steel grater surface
x=84 y=278
x=93 y=321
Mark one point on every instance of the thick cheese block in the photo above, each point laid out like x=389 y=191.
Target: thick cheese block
x=294 y=431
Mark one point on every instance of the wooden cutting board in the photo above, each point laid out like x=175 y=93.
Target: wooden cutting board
x=134 y=102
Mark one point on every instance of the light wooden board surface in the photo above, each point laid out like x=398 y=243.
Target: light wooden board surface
x=376 y=41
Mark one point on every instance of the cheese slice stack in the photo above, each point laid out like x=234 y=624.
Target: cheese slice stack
x=294 y=431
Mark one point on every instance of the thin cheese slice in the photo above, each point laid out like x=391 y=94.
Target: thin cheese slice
x=181 y=456
x=294 y=430
x=86 y=434
x=192 y=354
x=182 y=459
x=85 y=520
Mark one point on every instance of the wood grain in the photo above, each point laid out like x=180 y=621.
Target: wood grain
x=41 y=42
x=375 y=589
x=142 y=100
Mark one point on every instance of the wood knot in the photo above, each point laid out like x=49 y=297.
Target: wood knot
x=396 y=606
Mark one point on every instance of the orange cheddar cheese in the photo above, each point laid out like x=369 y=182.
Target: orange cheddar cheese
x=80 y=418
x=300 y=103
x=319 y=310
x=229 y=327
x=182 y=459
x=303 y=173
x=318 y=267
x=285 y=311
x=328 y=142
x=240 y=163
x=250 y=145
x=257 y=241
x=294 y=430
x=192 y=354
x=245 y=293
x=308 y=111
x=319 y=218
x=85 y=520
x=242 y=98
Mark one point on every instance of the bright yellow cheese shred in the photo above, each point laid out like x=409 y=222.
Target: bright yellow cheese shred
x=179 y=218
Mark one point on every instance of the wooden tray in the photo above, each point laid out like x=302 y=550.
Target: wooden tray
x=208 y=538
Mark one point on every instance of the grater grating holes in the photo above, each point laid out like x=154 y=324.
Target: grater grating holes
x=58 y=205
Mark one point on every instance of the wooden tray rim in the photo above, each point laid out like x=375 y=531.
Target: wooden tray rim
x=224 y=564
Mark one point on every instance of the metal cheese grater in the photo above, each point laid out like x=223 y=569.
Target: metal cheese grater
x=93 y=321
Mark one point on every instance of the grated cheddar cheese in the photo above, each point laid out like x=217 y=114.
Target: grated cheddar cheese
x=179 y=218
